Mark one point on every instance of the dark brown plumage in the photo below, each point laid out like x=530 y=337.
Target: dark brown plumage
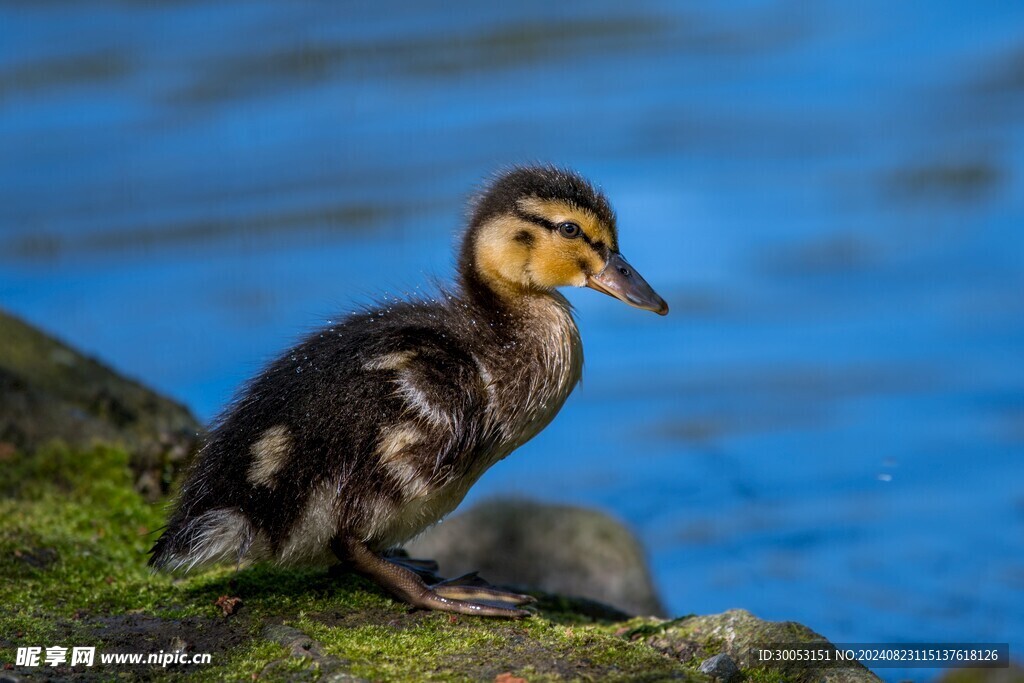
x=369 y=431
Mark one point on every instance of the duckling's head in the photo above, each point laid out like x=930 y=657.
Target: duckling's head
x=534 y=229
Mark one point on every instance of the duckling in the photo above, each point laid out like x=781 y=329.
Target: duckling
x=360 y=437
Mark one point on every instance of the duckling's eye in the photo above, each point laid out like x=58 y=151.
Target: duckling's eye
x=569 y=229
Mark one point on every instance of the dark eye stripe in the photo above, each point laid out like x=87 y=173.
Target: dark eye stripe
x=525 y=238
x=537 y=220
x=598 y=246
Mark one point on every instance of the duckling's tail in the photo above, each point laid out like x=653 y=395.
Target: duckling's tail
x=218 y=535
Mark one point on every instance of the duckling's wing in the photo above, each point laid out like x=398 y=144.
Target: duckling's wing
x=367 y=429
x=426 y=452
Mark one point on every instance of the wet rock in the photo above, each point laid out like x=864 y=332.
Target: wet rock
x=721 y=667
x=50 y=392
x=554 y=548
x=739 y=635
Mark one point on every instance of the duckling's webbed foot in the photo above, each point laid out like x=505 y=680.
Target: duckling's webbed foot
x=466 y=587
x=406 y=584
x=472 y=587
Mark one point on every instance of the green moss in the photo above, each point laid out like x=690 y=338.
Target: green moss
x=644 y=628
x=439 y=647
x=75 y=536
x=383 y=651
x=798 y=633
x=253 y=658
x=762 y=675
x=73 y=572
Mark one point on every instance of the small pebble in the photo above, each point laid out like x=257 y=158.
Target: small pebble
x=721 y=667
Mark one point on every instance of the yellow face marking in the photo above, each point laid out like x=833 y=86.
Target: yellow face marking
x=515 y=254
x=269 y=454
x=500 y=257
x=558 y=261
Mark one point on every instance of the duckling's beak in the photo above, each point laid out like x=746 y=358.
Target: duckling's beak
x=618 y=279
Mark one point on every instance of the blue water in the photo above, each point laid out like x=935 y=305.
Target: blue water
x=829 y=425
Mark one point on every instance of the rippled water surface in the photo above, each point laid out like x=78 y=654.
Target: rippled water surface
x=828 y=427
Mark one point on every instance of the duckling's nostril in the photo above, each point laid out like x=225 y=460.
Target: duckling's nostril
x=625 y=271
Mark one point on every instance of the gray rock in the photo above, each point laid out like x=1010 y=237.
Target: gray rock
x=739 y=634
x=721 y=667
x=554 y=548
x=50 y=392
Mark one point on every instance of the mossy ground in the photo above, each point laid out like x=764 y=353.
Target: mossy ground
x=73 y=573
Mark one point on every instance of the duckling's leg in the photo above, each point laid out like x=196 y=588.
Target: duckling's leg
x=427 y=569
x=408 y=586
x=422 y=565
